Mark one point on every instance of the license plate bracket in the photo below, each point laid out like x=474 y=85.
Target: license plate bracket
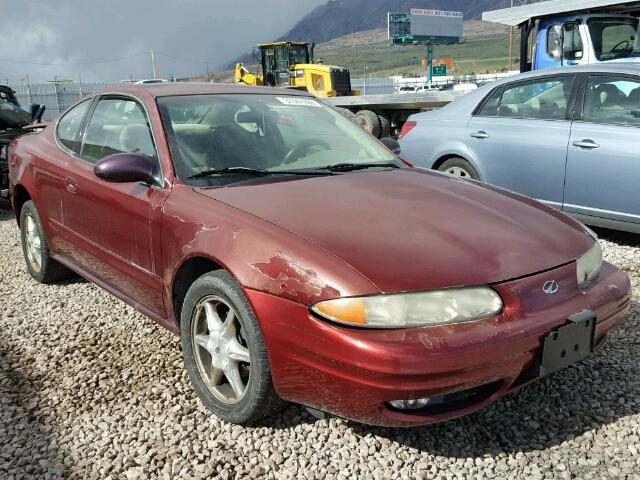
x=568 y=344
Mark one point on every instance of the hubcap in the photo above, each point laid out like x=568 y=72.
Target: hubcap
x=458 y=171
x=220 y=350
x=33 y=243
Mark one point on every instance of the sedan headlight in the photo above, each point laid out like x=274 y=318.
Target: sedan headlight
x=588 y=266
x=438 y=307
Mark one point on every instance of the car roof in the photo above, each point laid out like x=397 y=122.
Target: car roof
x=199 y=88
x=609 y=67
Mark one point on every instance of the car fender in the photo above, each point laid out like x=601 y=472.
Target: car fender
x=259 y=255
x=21 y=174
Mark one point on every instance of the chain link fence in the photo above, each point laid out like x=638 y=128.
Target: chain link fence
x=56 y=96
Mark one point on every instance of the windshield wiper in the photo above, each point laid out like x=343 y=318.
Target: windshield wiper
x=348 y=167
x=253 y=171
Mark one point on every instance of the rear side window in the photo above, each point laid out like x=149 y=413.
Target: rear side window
x=612 y=100
x=117 y=125
x=544 y=99
x=68 y=131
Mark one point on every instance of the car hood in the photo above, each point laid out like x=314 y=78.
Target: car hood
x=409 y=229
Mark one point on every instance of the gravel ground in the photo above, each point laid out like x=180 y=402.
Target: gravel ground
x=91 y=389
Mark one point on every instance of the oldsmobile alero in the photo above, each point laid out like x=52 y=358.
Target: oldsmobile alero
x=299 y=259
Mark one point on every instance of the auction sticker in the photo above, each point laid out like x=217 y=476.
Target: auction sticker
x=305 y=102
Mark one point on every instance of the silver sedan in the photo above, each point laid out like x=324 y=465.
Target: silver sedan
x=568 y=137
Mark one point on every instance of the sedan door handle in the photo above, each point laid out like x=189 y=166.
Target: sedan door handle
x=480 y=134
x=586 y=143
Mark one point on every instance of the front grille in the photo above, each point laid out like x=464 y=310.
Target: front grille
x=341 y=81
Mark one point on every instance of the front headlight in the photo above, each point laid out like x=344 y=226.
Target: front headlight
x=438 y=307
x=588 y=266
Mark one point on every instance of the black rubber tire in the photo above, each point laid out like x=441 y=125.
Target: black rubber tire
x=385 y=126
x=348 y=114
x=461 y=163
x=260 y=399
x=369 y=122
x=50 y=270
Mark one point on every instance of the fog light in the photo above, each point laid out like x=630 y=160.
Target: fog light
x=417 y=403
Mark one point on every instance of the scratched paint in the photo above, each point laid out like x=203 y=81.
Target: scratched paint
x=287 y=277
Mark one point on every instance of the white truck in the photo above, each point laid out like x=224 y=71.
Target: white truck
x=569 y=32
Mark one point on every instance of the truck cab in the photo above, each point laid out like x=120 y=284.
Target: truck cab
x=585 y=39
x=555 y=33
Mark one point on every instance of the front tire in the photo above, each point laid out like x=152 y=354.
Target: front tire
x=459 y=167
x=224 y=353
x=35 y=248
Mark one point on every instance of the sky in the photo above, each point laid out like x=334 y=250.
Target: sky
x=106 y=40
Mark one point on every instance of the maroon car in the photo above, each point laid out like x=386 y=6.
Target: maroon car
x=299 y=259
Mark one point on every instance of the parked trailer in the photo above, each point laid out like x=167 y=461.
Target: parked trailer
x=384 y=115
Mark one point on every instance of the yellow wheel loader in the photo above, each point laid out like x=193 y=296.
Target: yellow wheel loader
x=291 y=64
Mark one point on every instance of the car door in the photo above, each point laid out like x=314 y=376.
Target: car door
x=116 y=226
x=603 y=164
x=52 y=168
x=519 y=136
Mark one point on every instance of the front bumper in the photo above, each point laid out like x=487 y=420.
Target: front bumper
x=353 y=372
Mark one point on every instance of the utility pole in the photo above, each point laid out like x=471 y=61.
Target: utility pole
x=510 y=44
x=364 y=73
x=153 y=63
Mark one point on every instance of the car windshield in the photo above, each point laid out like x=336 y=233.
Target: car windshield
x=614 y=38
x=272 y=133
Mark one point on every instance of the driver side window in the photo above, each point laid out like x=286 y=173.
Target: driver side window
x=117 y=125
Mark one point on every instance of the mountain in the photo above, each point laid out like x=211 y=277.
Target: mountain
x=342 y=17
x=338 y=18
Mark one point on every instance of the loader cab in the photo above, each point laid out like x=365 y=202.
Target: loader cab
x=278 y=58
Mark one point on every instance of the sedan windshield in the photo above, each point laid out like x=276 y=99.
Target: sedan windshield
x=614 y=38
x=226 y=135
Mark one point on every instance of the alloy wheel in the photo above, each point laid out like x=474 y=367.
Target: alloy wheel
x=458 y=171
x=220 y=350
x=33 y=243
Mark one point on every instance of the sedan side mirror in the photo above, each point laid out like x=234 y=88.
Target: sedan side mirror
x=125 y=168
x=392 y=144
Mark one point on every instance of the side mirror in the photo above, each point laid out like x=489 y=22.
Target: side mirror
x=392 y=144
x=125 y=168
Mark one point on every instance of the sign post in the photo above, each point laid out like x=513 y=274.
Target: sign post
x=429 y=63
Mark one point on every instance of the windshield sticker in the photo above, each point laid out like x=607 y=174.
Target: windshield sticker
x=305 y=102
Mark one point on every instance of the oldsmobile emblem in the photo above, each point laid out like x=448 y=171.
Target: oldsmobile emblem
x=550 y=287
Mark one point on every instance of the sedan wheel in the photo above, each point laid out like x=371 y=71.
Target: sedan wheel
x=459 y=167
x=33 y=245
x=224 y=353
x=220 y=350
x=35 y=248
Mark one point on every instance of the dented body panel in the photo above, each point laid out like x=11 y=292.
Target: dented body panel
x=292 y=242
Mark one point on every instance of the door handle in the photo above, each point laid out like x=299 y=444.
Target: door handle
x=586 y=143
x=480 y=134
x=70 y=185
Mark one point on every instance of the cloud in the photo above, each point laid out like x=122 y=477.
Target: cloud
x=111 y=39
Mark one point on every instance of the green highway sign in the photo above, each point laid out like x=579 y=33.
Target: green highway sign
x=439 y=70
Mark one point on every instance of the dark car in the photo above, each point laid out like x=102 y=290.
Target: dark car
x=299 y=259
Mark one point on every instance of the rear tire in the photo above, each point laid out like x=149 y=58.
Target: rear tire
x=459 y=167
x=225 y=355
x=348 y=114
x=385 y=126
x=369 y=122
x=35 y=248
